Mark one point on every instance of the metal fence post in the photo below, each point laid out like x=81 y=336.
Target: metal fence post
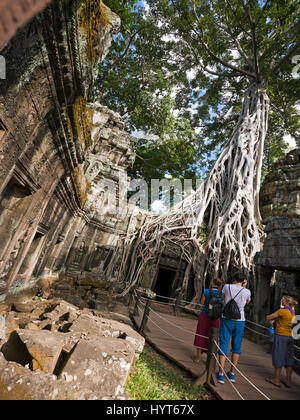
x=175 y=307
x=131 y=294
x=211 y=351
x=136 y=306
x=145 y=316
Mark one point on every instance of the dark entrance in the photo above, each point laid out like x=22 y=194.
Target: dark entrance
x=164 y=283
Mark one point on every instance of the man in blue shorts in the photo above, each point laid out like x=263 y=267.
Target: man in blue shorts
x=233 y=329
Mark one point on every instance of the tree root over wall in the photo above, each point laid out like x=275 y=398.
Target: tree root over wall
x=216 y=230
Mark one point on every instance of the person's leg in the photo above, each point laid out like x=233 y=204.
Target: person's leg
x=225 y=336
x=234 y=360
x=237 y=339
x=290 y=361
x=201 y=342
x=288 y=379
x=276 y=378
x=198 y=356
x=222 y=360
x=278 y=360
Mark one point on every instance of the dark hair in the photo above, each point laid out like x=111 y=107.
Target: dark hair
x=239 y=278
x=217 y=282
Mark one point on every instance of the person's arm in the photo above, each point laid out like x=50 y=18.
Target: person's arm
x=244 y=285
x=224 y=293
x=273 y=316
x=202 y=302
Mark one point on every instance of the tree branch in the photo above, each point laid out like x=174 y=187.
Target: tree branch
x=238 y=45
x=286 y=58
x=224 y=63
x=200 y=63
x=125 y=53
x=238 y=21
x=212 y=54
x=254 y=41
x=262 y=12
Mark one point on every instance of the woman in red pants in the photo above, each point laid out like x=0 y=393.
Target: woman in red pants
x=205 y=323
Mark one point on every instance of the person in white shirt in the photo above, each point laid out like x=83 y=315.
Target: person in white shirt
x=233 y=329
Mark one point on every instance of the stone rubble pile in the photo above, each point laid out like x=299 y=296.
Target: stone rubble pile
x=53 y=350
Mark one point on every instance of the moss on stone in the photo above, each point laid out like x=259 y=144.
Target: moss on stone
x=92 y=14
x=81 y=185
x=79 y=120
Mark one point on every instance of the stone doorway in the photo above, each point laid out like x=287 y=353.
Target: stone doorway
x=31 y=258
x=164 y=282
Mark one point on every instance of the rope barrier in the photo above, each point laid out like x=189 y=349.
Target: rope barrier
x=214 y=355
x=254 y=323
x=165 y=297
x=177 y=326
x=225 y=374
x=192 y=332
x=298 y=348
x=198 y=304
x=255 y=387
x=170 y=335
x=256 y=332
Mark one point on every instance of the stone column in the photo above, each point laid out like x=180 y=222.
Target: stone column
x=261 y=298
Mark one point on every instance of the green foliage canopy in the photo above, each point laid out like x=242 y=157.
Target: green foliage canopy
x=178 y=72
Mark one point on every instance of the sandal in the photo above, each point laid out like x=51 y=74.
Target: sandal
x=270 y=381
x=286 y=385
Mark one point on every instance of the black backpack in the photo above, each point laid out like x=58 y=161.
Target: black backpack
x=215 y=305
x=231 y=309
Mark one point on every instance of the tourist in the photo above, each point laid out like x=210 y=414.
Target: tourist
x=205 y=323
x=232 y=327
x=283 y=346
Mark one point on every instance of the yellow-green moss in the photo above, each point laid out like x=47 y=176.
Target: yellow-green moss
x=81 y=185
x=79 y=119
x=91 y=14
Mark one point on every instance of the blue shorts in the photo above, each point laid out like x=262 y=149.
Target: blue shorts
x=234 y=330
x=283 y=351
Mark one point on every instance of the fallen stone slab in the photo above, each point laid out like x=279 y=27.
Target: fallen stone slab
x=119 y=357
x=100 y=364
x=31 y=305
x=111 y=328
x=71 y=296
x=19 y=383
x=97 y=326
x=88 y=324
x=93 y=280
x=63 y=311
x=44 y=346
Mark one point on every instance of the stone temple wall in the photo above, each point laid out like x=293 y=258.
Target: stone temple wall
x=56 y=147
x=280 y=256
x=280 y=207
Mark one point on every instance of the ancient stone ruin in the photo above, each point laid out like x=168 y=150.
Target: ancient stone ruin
x=63 y=223
x=56 y=148
x=58 y=152
x=278 y=265
x=52 y=350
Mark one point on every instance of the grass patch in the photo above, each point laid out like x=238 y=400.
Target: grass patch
x=154 y=378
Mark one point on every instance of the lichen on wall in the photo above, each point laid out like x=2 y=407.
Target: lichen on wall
x=93 y=14
x=79 y=117
x=46 y=139
x=81 y=185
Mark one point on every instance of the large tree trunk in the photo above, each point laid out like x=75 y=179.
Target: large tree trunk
x=226 y=207
x=231 y=194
